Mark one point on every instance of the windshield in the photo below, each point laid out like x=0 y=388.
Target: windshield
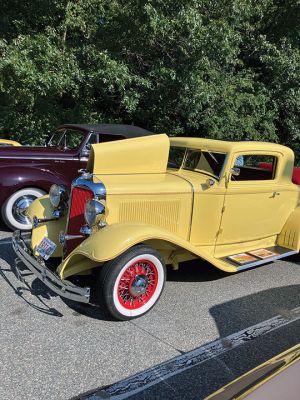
x=207 y=162
x=66 y=139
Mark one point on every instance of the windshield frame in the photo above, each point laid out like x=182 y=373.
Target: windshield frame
x=61 y=144
x=49 y=143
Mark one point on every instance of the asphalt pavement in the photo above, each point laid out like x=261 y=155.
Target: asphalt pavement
x=56 y=349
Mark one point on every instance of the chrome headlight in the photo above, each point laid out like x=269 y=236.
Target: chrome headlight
x=57 y=195
x=94 y=212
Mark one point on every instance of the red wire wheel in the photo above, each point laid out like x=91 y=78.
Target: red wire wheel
x=137 y=284
x=131 y=284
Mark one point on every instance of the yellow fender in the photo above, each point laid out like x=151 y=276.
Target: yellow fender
x=113 y=240
x=290 y=234
x=42 y=208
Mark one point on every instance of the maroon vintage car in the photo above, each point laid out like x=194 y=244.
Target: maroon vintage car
x=28 y=172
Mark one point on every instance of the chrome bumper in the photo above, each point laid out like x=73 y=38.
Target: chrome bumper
x=61 y=287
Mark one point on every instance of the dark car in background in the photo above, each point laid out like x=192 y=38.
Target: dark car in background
x=28 y=172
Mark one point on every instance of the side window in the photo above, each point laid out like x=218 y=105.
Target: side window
x=72 y=139
x=254 y=167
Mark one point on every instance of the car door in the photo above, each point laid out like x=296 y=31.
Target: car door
x=257 y=202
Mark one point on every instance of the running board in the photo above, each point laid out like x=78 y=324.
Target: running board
x=281 y=252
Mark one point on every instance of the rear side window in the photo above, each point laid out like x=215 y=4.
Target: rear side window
x=110 y=138
x=72 y=139
x=255 y=167
x=99 y=138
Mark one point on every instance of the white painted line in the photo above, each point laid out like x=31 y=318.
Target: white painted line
x=141 y=381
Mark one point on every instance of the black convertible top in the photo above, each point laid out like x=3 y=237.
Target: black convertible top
x=129 y=131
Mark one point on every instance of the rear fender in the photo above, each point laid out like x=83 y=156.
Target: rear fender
x=290 y=234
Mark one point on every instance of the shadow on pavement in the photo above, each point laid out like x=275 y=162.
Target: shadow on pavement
x=195 y=271
x=88 y=310
x=238 y=314
x=190 y=379
x=36 y=288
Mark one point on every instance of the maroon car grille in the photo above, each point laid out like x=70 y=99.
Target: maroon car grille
x=79 y=197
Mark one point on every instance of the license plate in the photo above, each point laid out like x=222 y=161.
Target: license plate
x=46 y=248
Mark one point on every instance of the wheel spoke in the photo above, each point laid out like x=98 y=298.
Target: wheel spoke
x=137 y=284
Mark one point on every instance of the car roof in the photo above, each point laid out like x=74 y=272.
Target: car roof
x=130 y=131
x=227 y=146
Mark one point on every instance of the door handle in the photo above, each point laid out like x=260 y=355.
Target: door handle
x=275 y=194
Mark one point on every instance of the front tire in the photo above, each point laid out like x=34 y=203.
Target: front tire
x=14 y=209
x=131 y=284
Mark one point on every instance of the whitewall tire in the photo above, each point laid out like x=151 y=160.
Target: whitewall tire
x=14 y=209
x=130 y=285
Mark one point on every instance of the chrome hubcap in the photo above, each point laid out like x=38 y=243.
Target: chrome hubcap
x=19 y=209
x=139 y=285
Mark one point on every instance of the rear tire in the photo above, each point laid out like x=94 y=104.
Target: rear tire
x=13 y=210
x=131 y=284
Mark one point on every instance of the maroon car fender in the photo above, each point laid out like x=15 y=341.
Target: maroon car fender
x=13 y=179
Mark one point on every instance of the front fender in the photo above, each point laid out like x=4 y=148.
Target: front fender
x=42 y=208
x=111 y=241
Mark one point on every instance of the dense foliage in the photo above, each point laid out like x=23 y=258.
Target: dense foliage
x=215 y=68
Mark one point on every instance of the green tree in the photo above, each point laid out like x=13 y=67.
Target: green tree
x=215 y=68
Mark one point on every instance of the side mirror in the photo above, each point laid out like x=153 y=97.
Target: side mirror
x=235 y=171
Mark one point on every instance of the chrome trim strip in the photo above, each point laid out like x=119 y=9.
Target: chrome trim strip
x=46 y=158
x=71 y=237
x=62 y=238
x=265 y=261
x=37 y=221
x=131 y=173
x=63 y=288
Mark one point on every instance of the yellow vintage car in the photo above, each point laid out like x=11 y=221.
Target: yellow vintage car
x=152 y=201
x=7 y=142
